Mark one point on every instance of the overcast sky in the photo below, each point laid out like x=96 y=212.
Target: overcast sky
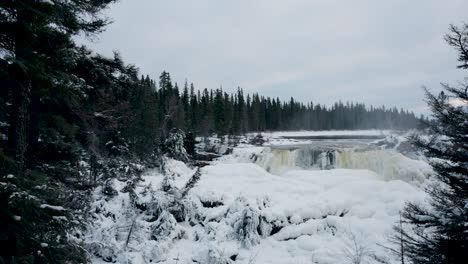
x=376 y=52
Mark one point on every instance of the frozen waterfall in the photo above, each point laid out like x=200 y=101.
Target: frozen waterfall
x=390 y=164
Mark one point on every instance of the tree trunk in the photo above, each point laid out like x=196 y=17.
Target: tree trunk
x=33 y=126
x=19 y=123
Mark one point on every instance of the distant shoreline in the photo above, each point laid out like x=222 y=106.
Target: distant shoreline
x=322 y=137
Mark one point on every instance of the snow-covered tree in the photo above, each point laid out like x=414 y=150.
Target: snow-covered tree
x=173 y=145
x=40 y=202
x=438 y=232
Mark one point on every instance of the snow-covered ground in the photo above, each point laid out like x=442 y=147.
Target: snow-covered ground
x=321 y=210
x=238 y=212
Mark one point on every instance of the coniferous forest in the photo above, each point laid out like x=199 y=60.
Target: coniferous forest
x=72 y=120
x=205 y=111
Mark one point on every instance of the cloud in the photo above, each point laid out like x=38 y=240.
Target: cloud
x=377 y=52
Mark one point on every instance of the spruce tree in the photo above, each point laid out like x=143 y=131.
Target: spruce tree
x=185 y=100
x=438 y=232
x=38 y=56
x=219 y=115
x=36 y=39
x=193 y=110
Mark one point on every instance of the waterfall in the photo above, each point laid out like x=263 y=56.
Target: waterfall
x=391 y=165
x=315 y=158
x=278 y=161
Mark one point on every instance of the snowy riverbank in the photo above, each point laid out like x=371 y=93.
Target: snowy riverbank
x=238 y=212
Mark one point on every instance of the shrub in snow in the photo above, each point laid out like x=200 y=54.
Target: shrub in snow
x=265 y=228
x=156 y=253
x=117 y=167
x=159 y=203
x=356 y=251
x=106 y=252
x=108 y=188
x=118 y=146
x=167 y=183
x=246 y=228
x=172 y=199
x=165 y=227
x=246 y=222
x=178 y=209
x=173 y=146
x=193 y=211
x=181 y=209
x=217 y=256
x=216 y=253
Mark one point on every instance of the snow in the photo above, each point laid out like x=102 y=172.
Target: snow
x=47 y=2
x=314 y=201
x=307 y=194
x=52 y=207
x=240 y=210
x=303 y=133
x=322 y=208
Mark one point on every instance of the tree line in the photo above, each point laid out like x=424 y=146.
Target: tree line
x=211 y=111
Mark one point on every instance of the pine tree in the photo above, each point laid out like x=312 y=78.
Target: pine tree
x=36 y=37
x=439 y=232
x=219 y=115
x=194 y=111
x=39 y=60
x=185 y=100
